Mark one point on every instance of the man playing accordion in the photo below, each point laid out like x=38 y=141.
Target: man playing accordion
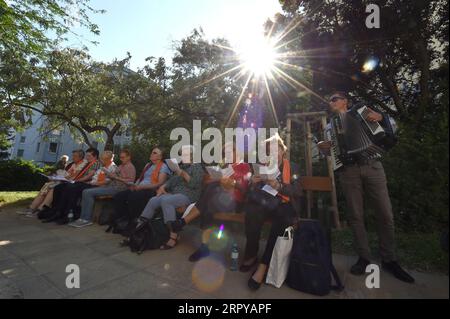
x=365 y=176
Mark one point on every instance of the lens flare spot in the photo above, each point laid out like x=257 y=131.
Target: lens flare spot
x=370 y=65
x=208 y=275
x=219 y=235
x=5 y=242
x=217 y=238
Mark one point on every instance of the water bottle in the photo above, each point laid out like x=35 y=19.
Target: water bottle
x=71 y=216
x=234 y=257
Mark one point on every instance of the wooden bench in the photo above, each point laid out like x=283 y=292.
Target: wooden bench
x=99 y=206
x=316 y=183
x=308 y=183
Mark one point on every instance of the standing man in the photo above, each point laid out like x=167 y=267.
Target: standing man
x=367 y=177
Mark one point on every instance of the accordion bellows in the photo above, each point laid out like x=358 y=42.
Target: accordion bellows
x=354 y=138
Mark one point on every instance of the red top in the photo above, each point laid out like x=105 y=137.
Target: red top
x=242 y=176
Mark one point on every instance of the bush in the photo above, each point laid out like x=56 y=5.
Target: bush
x=20 y=175
x=417 y=170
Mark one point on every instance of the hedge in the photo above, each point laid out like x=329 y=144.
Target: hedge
x=20 y=175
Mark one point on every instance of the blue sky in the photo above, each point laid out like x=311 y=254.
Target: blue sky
x=148 y=27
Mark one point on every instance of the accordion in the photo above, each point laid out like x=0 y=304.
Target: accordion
x=353 y=138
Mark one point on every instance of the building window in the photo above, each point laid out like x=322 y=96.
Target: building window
x=38 y=147
x=20 y=153
x=53 y=147
x=22 y=139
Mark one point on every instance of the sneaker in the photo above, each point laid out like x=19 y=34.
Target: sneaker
x=80 y=223
x=25 y=211
x=32 y=214
x=394 y=268
x=359 y=268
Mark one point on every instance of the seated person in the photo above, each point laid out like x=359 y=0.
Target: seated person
x=73 y=169
x=45 y=196
x=99 y=179
x=119 y=180
x=181 y=190
x=65 y=195
x=224 y=195
x=285 y=214
x=129 y=203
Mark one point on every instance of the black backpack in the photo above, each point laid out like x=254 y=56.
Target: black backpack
x=149 y=236
x=45 y=213
x=311 y=265
x=122 y=226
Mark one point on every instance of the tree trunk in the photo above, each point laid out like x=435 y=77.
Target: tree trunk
x=109 y=145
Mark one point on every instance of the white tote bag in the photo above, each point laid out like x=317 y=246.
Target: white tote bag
x=279 y=264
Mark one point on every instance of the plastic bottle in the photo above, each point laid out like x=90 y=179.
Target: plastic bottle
x=234 y=257
x=71 y=216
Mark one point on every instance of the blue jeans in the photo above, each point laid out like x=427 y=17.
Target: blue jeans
x=88 y=199
x=169 y=203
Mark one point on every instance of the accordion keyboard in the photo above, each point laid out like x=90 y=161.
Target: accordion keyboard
x=334 y=154
x=374 y=127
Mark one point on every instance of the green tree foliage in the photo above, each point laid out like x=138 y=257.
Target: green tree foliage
x=25 y=25
x=410 y=83
x=68 y=87
x=195 y=86
x=411 y=42
x=29 y=29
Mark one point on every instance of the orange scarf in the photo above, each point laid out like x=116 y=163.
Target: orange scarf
x=88 y=166
x=101 y=179
x=286 y=178
x=155 y=173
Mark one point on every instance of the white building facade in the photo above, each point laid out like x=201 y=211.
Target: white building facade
x=44 y=146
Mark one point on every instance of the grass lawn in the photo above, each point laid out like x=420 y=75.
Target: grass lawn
x=417 y=251
x=16 y=199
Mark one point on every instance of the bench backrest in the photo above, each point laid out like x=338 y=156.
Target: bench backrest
x=316 y=183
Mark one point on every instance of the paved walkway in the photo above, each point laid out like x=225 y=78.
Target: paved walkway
x=34 y=256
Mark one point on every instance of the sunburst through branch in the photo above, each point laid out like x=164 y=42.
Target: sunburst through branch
x=264 y=60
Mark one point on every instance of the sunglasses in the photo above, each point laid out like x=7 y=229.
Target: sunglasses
x=336 y=98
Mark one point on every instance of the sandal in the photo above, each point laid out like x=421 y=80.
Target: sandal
x=167 y=247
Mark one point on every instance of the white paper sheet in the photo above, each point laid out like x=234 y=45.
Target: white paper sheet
x=58 y=179
x=269 y=189
x=188 y=210
x=217 y=173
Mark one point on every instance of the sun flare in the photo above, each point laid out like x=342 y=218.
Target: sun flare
x=258 y=56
